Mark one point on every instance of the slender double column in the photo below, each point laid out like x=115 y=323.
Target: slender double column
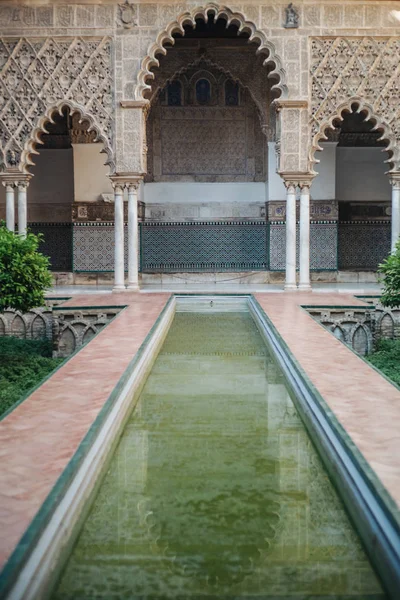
x=302 y=181
x=395 y=234
x=16 y=181
x=131 y=184
x=290 y=279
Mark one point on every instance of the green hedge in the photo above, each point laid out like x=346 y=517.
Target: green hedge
x=386 y=358
x=23 y=365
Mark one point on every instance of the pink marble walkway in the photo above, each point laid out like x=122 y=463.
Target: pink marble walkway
x=40 y=436
x=38 y=439
x=365 y=403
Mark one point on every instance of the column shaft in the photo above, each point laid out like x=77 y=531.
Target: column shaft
x=22 y=209
x=10 y=207
x=304 y=278
x=290 y=280
x=133 y=239
x=395 y=213
x=119 y=271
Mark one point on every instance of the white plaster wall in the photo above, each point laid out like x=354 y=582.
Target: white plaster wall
x=275 y=188
x=324 y=184
x=360 y=174
x=53 y=177
x=200 y=193
x=177 y=201
x=91 y=174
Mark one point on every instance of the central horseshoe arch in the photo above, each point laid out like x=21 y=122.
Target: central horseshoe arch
x=265 y=46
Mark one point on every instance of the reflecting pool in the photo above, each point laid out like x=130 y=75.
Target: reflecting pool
x=215 y=490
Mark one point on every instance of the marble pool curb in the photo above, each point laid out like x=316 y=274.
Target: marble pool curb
x=15 y=564
x=18 y=579
x=371 y=507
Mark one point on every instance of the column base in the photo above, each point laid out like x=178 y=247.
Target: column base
x=290 y=287
x=119 y=288
x=305 y=287
x=133 y=287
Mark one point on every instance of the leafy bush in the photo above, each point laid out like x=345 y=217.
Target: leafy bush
x=23 y=364
x=386 y=358
x=390 y=268
x=24 y=272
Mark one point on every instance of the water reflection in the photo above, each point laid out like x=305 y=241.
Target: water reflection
x=215 y=489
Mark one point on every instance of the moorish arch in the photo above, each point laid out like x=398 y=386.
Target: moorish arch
x=166 y=36
x=319 y=130
x=39 y=130
x=165 y=76
x=40 y=75
x=360 y=70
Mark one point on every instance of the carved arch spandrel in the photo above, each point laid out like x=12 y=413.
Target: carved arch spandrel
x=40 y=75
x=364 y=70
x=318 y=130
x=189 y=18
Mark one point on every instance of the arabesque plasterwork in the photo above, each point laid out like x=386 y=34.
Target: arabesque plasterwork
x=356 y=70
x=265 y=46
x=41 y=75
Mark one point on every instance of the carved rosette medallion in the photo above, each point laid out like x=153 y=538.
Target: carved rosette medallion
x=126 y=15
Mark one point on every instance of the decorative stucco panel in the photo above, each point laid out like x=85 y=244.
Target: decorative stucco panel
x=361 y=70
x=39 y=75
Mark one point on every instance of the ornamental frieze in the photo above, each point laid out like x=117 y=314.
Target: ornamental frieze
x=41 y=74
x=320 y=210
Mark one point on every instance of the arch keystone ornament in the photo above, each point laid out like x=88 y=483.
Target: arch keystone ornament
x=126 y=14
x=189 y=18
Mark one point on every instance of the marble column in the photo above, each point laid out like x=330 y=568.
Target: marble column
x=290 y=279
x=304 y=261
x=22 y=208
x=133 y=238
x=395 y=181
x=10 y=206
x=119 y=267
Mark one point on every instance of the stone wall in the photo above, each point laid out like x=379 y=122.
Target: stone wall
x=68 y=328
x=360 y=327
x=357 y=40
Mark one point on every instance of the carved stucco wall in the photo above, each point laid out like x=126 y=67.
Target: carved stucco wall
x=38 y=75
x=150 y=21
x=200 y=143
x=205 y=143
x=362 y=70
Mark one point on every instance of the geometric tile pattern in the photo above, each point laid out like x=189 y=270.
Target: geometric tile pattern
x=93 y=247
x=323 y=246
x=206 y=246
x=363 y=245
x=57 y=243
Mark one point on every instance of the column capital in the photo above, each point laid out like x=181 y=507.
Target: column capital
x=126 y=180
x=296 y=179
x=394 y=179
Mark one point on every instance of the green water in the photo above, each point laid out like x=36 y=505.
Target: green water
x=215 y=490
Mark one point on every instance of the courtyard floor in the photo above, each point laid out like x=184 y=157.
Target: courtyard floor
x=40 y=436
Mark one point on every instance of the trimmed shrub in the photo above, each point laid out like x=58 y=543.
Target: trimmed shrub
x=390 y=269
x=24 y=272
x=23 y=364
